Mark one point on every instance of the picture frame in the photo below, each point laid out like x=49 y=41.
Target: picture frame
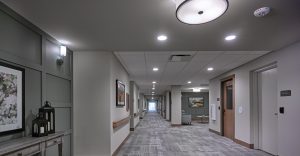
x=120 y=94
x=127 y=102
x=12 y=99
x=196 y=102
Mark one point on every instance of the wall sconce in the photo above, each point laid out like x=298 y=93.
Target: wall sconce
x=62 y=54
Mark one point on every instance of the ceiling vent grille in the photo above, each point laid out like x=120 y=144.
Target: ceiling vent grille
x=180 y=58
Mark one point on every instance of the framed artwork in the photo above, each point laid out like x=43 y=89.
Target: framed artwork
x=127 y=102
x=12 y=99
x=196 y=102
x=120 y=94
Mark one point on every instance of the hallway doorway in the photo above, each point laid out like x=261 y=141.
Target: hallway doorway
x=228 y=107
x=152 y=107
x=266 y=118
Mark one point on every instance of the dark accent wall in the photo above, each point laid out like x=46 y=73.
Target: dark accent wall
x=195 y=111
x=24 y=45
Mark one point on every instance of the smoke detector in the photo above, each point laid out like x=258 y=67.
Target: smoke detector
x=261 y=12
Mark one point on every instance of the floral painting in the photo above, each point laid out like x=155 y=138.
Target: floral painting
x=11 y=99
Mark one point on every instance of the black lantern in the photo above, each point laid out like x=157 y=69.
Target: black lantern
x=49 y=114
x=39 y=126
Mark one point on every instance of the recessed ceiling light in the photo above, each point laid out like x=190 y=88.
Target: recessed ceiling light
x=196 y=89
x=154 y=82
x=162 y=37
x=153 y=88
x=230 y=37
x=189 y=82
x=155 y=69
x=64 y=42
x=153 y=92
x=210 y=69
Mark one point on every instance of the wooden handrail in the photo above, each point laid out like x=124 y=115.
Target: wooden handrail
x=120 y=123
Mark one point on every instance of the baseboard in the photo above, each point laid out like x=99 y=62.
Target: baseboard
x=251 y=146
x=175 y=125
x=213 y=131
x=118 y=149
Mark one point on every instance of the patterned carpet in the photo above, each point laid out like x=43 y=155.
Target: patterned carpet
x=155 y=137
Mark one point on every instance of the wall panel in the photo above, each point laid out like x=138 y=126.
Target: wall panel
x=16 y=39
x=58 y=90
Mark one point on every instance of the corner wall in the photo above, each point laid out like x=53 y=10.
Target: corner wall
x=118 y=113
x=134 y=102
x=168 y=106
x=92 y=117
x=95 y=75
x=288 y=79
x=176 y=105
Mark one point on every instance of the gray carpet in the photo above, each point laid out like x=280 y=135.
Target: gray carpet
x=155 y=137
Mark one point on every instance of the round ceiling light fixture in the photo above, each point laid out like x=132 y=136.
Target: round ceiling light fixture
x=199 y=11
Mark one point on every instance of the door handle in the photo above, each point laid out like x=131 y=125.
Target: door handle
x=276 y=114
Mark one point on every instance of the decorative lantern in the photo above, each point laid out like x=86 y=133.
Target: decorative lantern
x=39 y=126
x=49 y=115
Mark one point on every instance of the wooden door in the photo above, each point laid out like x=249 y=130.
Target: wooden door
x=228 y=108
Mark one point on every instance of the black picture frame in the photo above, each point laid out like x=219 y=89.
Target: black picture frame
x=12 y=116
x=127 y=102
x=120 y=94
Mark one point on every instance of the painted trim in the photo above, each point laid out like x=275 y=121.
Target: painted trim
x=213 y=131
x=240 y=142
x=119 y=148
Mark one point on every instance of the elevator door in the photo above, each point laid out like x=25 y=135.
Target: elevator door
x=268 y=120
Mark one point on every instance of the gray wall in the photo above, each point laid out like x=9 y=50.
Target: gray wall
x=195 y=111
x=24 y=45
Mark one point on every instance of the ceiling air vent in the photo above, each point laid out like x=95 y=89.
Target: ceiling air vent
x=180 y=58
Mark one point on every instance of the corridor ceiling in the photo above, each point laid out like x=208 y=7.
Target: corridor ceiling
x=140 y=67
x=133 y=25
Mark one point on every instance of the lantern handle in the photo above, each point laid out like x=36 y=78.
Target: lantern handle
x=47 y=104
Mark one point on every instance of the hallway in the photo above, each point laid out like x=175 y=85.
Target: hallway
x=154 y=137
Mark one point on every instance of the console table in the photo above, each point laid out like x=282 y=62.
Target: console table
x=28 y=146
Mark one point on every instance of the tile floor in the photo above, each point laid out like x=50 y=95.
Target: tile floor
x=155 y=137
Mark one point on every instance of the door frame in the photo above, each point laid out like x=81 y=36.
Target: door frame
x=228 y=78
x=255 y=103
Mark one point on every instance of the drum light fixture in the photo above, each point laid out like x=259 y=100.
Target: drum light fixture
x=199 y=11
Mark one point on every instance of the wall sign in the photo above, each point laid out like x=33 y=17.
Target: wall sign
x=286 y=93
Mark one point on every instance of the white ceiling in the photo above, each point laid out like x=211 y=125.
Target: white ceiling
x=132 y=25
x=140 y=67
